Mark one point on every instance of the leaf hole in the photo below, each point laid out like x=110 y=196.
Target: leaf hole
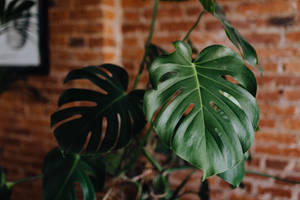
x=119 y=130
x=164 y=105
x=86 y=142
x=77 y=116
x=188 y=109
x=166 y=76
x=213 y=105
x=106 y=72
x=230 y=79
x=231 y=98
x=104 y=127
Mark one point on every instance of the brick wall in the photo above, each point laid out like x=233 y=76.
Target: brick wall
x=84 y=32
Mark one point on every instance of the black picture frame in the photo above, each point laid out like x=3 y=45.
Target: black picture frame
x=42 y=68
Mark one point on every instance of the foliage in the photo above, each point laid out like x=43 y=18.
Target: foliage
x=216 y=133
x=197 y=113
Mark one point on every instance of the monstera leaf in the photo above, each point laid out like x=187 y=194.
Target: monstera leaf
x=118 y=112
x=207 y=120
x=61 y=172
x=233 y=35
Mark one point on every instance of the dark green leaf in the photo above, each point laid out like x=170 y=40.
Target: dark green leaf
x=61 y=172
x=96 y=170
x=153 y=52
x=208 y=5
x=5 y=192
x=122 y=112
x=219 y=129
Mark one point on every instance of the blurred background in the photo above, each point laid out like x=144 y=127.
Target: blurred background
x=92 y=32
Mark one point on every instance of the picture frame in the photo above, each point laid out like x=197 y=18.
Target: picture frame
x=29 y=53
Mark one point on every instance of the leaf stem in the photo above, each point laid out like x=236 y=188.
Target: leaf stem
x=271 y=176
x=155 y=164
x=194 y=26
x=10 y=184
x=148 y=42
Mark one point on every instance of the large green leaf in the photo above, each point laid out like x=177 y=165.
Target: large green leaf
x=219 y=129
x=62 y=171
x=116 y=110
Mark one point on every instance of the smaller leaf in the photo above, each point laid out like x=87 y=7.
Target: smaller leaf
x=61 y=172
x=238 y=40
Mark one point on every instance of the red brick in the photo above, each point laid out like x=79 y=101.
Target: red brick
x=242 y=197
x=135 y=4
x=275 y=192
x=276 y=164
x=265 y=8
x=176 y=26
x=293 y=37
x=274 y=150
x=291 y=67
x=268 y=109
x=292 y=124
x=276 y=137
x=270 y=123
x=263 y=38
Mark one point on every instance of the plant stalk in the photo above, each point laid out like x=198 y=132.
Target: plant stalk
x=194 y=26
x=10 y=184
x=148 y=42
x=271 y=176
x=155 y=164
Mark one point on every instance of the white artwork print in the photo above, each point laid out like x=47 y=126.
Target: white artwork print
x=21 y=49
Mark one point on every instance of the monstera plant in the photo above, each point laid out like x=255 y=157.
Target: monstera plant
x=203 y=119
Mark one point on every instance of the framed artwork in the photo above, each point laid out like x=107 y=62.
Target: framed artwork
x=24 y=36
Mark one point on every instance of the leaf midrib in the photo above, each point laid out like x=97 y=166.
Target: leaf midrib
x=199 y=92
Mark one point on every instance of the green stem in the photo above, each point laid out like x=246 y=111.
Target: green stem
x=155 y=164
x=194 y=26
x=169 y=171
x=10 y=184
x=137 y=79
x=271 y=176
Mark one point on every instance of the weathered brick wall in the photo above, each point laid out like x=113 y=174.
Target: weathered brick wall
x=85 y=32
x=272 y=26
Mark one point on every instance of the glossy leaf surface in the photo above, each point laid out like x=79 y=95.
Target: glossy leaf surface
x=61 y=172
x=235 y=175
x=118 y=112
x=217 y=131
